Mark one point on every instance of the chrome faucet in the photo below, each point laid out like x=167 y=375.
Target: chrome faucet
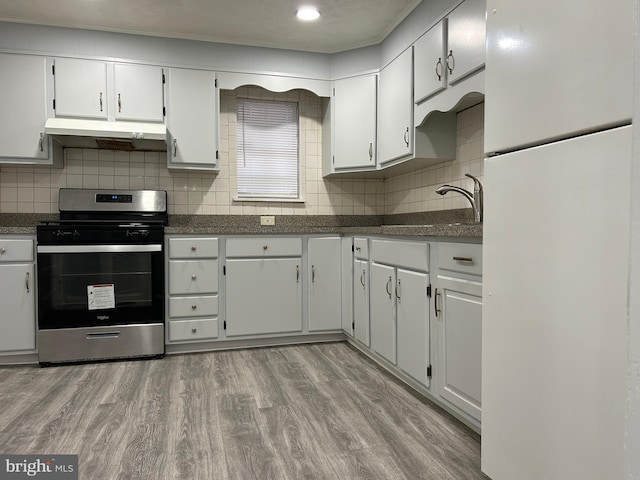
x=475 y=199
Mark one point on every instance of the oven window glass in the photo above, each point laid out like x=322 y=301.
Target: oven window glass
x=63 y=289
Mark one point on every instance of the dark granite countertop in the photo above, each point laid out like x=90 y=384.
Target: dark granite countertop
x=447 y=223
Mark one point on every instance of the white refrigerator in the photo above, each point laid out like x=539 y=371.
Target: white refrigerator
x=558 y=110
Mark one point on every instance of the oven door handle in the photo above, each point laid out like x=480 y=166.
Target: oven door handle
x=99 y=248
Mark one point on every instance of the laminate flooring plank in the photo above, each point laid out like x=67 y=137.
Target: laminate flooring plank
x=367 y=464
x=301 y=454
x=317 y=365
x=248 y=455
x=266 y=383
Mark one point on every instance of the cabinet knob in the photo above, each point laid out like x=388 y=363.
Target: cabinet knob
x=264 y=247
x=2 y=250
x=194 y=330
x=193 y=307
x=193 y=249
x=193 y=277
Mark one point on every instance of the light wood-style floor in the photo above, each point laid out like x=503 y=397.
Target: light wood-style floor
x=302 y=412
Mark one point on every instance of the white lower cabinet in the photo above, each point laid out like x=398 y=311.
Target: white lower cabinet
x=193 y=288
x=361 y=290
x=17 y=295
x=458 y=309
x=263 y=286
x=324 y=284
x=400 y=306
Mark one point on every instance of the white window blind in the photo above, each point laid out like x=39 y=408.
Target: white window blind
x=267 y=146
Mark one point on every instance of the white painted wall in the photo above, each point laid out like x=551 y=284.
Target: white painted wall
x=632 y=437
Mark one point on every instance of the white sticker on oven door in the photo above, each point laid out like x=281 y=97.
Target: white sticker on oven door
x=101 y=296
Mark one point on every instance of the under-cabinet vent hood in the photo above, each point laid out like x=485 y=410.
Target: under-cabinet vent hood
x=129 y=136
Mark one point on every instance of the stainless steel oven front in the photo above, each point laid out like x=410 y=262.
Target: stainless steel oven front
x=100 y=301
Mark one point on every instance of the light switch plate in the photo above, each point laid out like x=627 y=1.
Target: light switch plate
x=267 y=220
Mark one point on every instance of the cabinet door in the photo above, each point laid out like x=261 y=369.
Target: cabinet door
x=138 y=92
x=412 y=311
x=23 y=96
x=264 y=296
x=354 y=122
x=18 y=320
x=347 y=285
x=466 y=39
x=81 y=88
x=395 y=114
x=542 y=81
x=383 y=322
x=430 y=69
x=361 y=300
x=324 y=282
x=192 y=118
x=460 y=343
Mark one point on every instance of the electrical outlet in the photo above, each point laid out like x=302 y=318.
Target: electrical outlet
x=267 y=220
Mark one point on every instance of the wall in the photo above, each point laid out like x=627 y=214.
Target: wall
x=26 y=189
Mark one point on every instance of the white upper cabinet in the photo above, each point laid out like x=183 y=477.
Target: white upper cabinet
x=395 y=110
x=192 y=119
x=430 y=68
x=556 y=69
x=354 y=122
x=81 y=88
x=107 y=91
x=466 y=39
x=24 y=98
x=138 y=92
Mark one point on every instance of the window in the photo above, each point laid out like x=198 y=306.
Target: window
x=267 y=146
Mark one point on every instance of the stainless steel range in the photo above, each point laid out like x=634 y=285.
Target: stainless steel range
x=101 y=276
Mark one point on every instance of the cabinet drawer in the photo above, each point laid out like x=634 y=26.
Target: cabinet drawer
x=204 y=306
x=16 y=250
x=201 y=329
x=460 y=257
x=264 y=247
x=361 y=248
x=193 y=247
x=413 y=255
x=193 y=276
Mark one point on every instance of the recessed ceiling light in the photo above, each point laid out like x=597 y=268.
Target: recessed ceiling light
x=307 y=13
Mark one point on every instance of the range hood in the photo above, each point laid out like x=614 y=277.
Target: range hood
x=129 y=136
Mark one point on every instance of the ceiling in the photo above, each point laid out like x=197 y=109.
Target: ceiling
x=343 y=24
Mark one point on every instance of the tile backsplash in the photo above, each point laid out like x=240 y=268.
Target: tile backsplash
x=29 y=189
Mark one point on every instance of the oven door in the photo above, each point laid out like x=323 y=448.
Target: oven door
x=99 y=285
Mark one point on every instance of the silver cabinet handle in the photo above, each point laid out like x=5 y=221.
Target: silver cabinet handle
x=398 y=291
x=119 y=104
x=100 y=101
x=371 y=151
x=194 y=330
x=439 y=68
x=362 y=279
x=451 y=62
x=435 y=303
x=26 y=282
x=41 y=142
x=175 y=147
x=406 y=136
x=463 y=259
x=313 y=273
x=194 y=307
x=388 y=287
x=297 y=273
